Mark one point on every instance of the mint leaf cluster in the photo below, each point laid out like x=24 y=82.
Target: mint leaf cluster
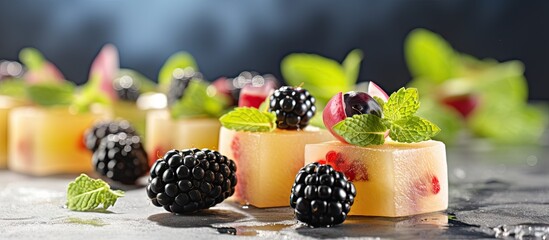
x=398 y=119
x=249 y=119
x=86 y=194
x=499 y=91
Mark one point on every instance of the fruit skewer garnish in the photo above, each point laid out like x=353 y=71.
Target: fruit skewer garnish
x=361 y=119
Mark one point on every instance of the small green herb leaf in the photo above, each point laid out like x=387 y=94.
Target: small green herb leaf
x=13 y=87
x=51 y=94
x=401 y=104
x=249 y=119
x=32 y=58
x=351 y=65
x=323 y=77
x=429 y=56
x=412 y=129
x=198 y=100
x=86 y=194
x=362 y=130
x=178 y=60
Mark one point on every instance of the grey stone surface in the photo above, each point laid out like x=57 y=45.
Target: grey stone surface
x=494 y=191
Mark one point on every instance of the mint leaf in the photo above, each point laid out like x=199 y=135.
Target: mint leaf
x=145 y=84
x=13 y=87
x=401 y=104
x=265 y=105
x=178 y=60
x=199 y=100
x=51 y=94
x=429 y=56
x=249 y=119
x=412 y=129
x=321 y=76
x=362 y=130
x=86 y=194
x=447 y=119
x=32 y=58
x=351 y=65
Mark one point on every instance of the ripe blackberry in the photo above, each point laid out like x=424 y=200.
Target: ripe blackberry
x=191 y=179
x=127 y=87
x=294 y=107
x=121 y=157
x=180 y=81
x=321 y=196
x=93 y=136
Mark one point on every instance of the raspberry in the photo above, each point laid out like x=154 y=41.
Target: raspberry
x=294 y=107
x=180 y=82
x=121 y=157
x=191 y=179
x=93 y=136
x=321 y=196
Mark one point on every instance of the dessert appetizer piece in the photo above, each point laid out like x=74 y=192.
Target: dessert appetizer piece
x=268 y=144
x=194 y=106
x=123 y=86
x=47 y=137
x=386 y=152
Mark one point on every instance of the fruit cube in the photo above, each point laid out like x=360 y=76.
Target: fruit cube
x=6 y=105
x=45 y=141
x=267 y=162
x=391 y=180
x=165 y=133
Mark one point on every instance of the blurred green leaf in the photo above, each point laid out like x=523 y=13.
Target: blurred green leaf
x=429 y=56
x=178 y=60
x=447 y=119
x=145 y=83
x=351 y=65
x=51 y=94
x=199 y=101
x=13 y=87
x=321 y=76
x=32 y=58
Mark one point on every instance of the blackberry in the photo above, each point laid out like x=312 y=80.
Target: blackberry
x=127 y=87
x=321 y=196
x=294 y=107
x=121 y=157
x=180 y=81
x=191 y=179
x=93 y=136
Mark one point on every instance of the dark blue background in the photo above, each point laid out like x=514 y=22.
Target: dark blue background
x=227 y=37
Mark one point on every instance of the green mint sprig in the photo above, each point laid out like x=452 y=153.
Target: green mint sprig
x=86 y=194
x=398 y=118
x=178 y=60
x=249 y=119
x=199 y=100
x=48 y=94
x=15 y=88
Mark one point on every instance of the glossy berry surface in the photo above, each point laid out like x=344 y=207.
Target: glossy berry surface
x=189 y=180
x=294 y=107
x=180 y=81
x=121 y=157
x=95 y=134
x=360 y=103
x=321 y=196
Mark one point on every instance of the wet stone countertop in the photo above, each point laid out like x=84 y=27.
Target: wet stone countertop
x=495 y=191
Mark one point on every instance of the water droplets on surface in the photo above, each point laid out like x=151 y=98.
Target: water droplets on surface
x=523 y=231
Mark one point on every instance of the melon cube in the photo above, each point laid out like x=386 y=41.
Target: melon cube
x=165 y=133
x=45 y=141
x=267 y=162
x=391 y=180
x=6 y=104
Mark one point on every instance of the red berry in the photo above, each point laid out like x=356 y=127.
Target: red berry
x=235 y=147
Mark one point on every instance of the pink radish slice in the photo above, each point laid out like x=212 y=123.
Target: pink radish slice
x=105 y=66
x=375 y=91
x=333 y=113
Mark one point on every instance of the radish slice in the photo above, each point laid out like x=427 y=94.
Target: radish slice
x=375 y=91
x=104 y=69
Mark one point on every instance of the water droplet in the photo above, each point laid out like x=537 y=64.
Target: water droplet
x=523 y=231
x=532 y=160
x=460 y=173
